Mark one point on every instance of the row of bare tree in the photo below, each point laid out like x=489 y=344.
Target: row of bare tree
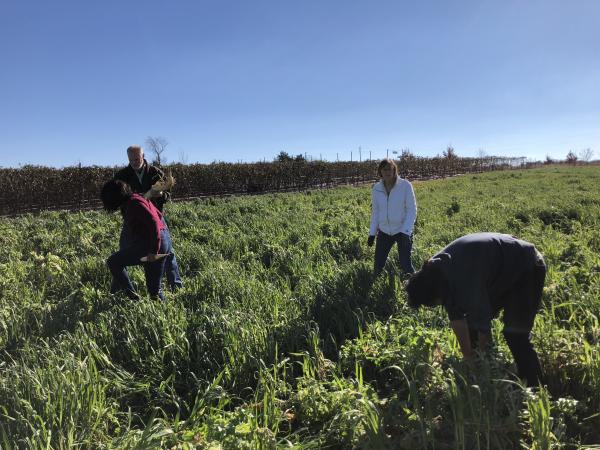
x=35 y=188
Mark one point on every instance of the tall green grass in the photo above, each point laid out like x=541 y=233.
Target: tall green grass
x=281 y=338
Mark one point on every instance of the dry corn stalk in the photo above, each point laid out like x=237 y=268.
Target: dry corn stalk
x=164 y=184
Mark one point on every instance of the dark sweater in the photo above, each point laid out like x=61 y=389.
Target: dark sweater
x=482 y=268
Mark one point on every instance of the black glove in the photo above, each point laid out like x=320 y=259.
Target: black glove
x=371 y=241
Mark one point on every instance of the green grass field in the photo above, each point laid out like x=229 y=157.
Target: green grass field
x=280 y=337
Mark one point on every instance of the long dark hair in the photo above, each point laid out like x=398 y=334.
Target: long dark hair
x=114 y=193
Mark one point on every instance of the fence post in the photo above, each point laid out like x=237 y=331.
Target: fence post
x=80 y=175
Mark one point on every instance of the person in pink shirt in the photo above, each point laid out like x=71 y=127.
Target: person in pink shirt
x=150 y=239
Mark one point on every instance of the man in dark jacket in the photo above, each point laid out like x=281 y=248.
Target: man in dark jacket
x=474 y=278
x=140 y=176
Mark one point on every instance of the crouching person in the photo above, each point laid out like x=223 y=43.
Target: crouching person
x=474 y=278
x=150 y=239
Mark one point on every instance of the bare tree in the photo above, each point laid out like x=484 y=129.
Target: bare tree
x=450 y=153
x=157 y=145
x=586 y=154
x=183 y=157
x=284 y=157
x=571 y=157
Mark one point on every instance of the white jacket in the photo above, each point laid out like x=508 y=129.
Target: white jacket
x=393 y=213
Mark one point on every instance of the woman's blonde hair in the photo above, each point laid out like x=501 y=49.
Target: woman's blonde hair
x=387 y=162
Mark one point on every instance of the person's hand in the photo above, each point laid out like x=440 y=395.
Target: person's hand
x=153 y=193
x=152 y=257
x=371 y=241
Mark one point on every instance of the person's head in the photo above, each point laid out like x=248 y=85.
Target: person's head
x=387 y=169
x=135 y=153
x=114 y=193
x=428 y=286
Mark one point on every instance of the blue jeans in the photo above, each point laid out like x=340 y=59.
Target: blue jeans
x=130 y=256
x=384 y=244
x=171 y=267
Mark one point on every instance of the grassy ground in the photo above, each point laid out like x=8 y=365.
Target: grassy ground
x=281 y=338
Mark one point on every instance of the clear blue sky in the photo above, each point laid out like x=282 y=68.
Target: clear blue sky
x=244 y=80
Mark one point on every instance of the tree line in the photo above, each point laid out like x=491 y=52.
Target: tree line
x=34 y=188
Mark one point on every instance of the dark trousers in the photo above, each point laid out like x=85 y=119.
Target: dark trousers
x=171 y=268
x=526 y=358
x=522 y=304
x=384 y=244
x=130 y=256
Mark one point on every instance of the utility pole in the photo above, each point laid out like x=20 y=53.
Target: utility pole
x=337 y=157
x=359 y=153
x=350 y=155
x=369 y=155
x=387 y=152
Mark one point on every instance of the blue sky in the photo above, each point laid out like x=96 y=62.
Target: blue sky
x=243 y=80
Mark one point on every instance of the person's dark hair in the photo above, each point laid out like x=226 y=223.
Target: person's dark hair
x=387 y=162
x=114 y=193
x=426 y=286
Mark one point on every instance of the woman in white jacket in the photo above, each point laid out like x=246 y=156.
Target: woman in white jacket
x=393 y=214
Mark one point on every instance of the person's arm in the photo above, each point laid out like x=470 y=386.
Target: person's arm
x=410 y=209
x=461 y=331
x=374 y=214
x=484 y=339
x=155 y=175
x=165 y=194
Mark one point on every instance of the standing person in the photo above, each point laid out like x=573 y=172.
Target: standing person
x=393 y=214
x=140 y=176
x=474 y=278
x=148 y=240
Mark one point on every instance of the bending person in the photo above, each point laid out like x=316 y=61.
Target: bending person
x=474 y=278
x=149 y=238
x=140 y=176
x=393 y=214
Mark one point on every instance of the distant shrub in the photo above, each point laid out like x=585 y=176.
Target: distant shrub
x=453 y=208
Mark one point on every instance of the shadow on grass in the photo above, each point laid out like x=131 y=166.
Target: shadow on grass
x=355 y=297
